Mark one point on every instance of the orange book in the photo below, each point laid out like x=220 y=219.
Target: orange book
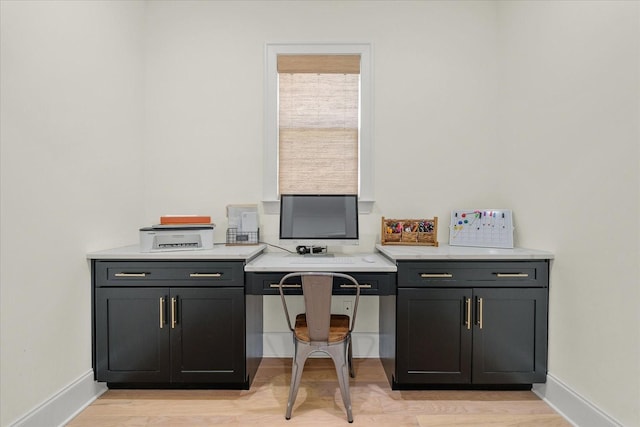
x=185 y=219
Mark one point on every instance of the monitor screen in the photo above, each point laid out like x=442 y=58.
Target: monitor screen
x=306 y=218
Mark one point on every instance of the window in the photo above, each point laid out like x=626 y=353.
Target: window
x=315 y=144
x=318 y=121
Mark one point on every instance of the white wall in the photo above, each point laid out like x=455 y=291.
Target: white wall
x=71 y=131
x=434 y=89
x=569 y=133
x=477 y=104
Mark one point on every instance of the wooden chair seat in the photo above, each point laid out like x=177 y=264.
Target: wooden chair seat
x=338 y=328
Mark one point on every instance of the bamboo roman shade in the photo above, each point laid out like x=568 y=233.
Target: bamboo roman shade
x=318 y=117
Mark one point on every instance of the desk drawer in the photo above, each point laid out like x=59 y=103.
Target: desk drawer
x=371 y=284
x=169 y=273
x=473 y=273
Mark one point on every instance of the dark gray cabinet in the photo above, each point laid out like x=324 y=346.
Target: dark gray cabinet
x=510 y=336
x=175 y=323
x=131 y=338
x=457 y=323
x=433 y=344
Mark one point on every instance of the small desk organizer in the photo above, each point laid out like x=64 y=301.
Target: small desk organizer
x=418 y=232
x=236 y=237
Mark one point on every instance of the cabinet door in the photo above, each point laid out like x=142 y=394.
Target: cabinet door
x=132 y=337
x=510 y=336
x=207 y=335
x=434 y=336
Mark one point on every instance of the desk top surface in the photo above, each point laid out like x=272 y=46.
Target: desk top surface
x=219 y=252
x=384 y=260
x=446 y=252
x=281 y=262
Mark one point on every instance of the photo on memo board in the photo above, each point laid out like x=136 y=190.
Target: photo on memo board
x=488 y=228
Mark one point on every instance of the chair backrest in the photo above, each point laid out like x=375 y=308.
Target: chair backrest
x=317 y=289
x=317 y=303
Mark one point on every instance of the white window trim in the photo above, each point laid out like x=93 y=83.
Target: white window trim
x=270 y=198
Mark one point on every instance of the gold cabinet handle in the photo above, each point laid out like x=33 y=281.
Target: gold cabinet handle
x=285 y=285
x=173 y=313
x=503 y=275
x=205 y=275
x=480 y=312
x=161 y=312
x=130 y=274
x=351 y=285
x=467 y=320
x=436 y=275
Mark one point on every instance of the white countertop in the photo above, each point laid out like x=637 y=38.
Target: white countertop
x=221 y=252
x=383 y=260
x=281 y=262
x=446 y=252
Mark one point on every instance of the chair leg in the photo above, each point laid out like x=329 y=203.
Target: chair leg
x=338 y=354
x=301 y=353
x=352 y=372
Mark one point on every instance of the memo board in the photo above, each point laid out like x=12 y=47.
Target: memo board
x=489 y=228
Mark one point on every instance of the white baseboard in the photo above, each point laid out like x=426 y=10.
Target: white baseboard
x=575 y=408
x=59 y=409
x=280 y=344
x=68 y=402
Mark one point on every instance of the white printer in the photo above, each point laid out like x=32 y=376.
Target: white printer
x=176 y=237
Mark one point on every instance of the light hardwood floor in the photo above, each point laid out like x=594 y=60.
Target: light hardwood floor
x=318 y=403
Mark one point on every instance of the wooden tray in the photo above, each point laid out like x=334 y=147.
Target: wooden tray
x=417 y=232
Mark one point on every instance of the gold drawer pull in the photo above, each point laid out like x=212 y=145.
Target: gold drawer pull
x=503 y=275
x=362 y=285
x=285 y=285
x=436 y=275
x=205 y=275
x=131 y=274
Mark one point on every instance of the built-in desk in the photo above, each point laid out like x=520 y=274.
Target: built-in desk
x=448 y=316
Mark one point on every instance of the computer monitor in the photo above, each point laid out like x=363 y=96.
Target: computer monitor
x=317 y=220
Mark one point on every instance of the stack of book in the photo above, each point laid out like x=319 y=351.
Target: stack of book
x=186 y=221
